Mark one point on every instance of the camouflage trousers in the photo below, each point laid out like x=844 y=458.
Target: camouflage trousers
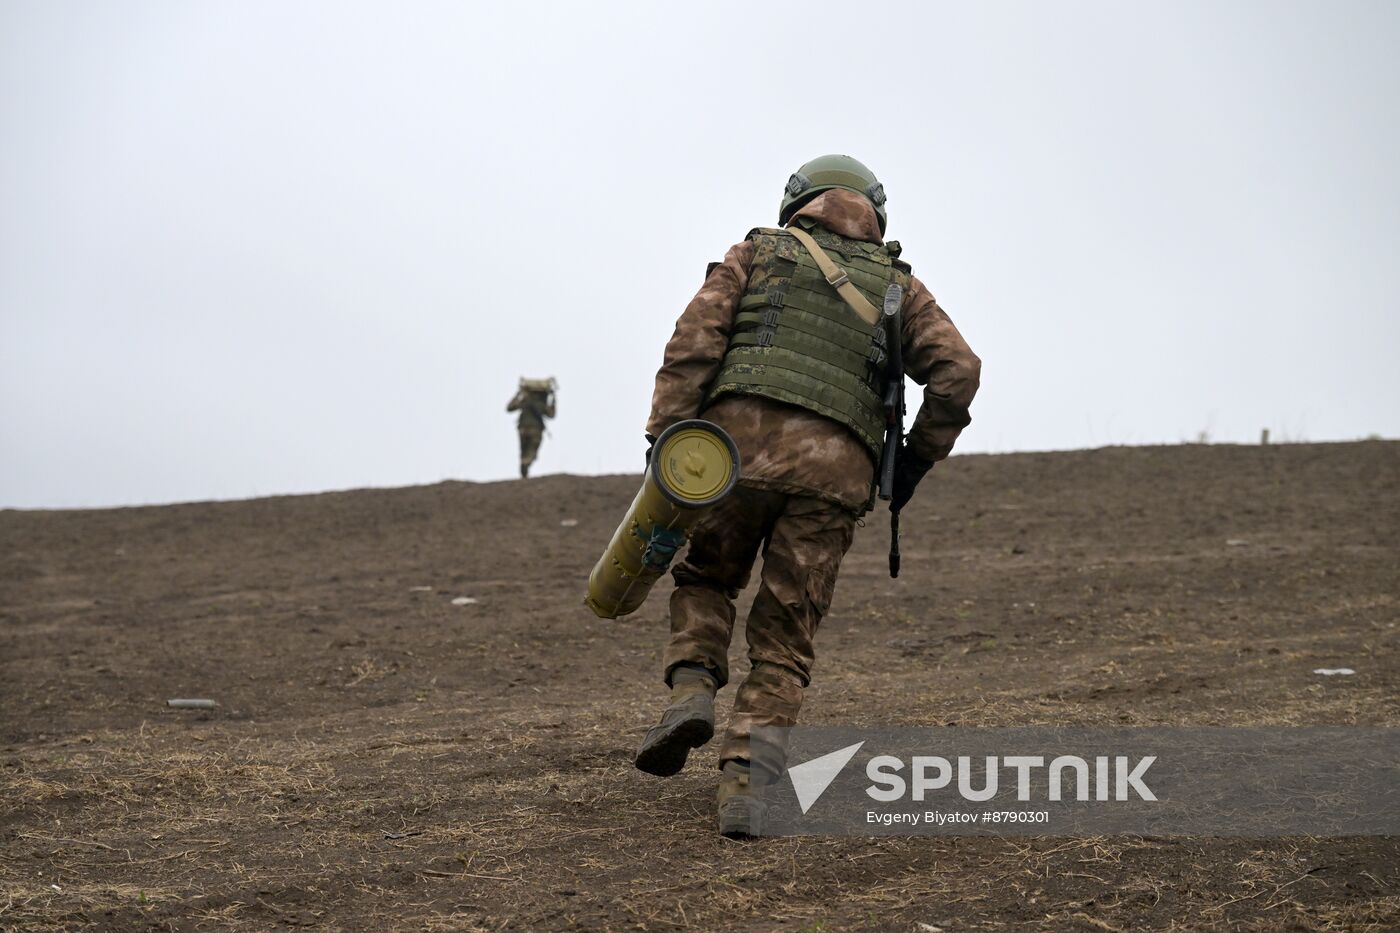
x=803 y=540
x=529 y=446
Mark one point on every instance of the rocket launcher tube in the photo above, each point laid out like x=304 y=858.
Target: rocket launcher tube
x=694 y=464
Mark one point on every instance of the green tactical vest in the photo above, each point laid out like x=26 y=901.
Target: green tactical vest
x=795 y=340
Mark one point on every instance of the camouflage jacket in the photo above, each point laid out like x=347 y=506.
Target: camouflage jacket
x=789 y=449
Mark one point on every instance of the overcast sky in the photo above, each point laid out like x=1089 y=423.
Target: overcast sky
x=253 y=248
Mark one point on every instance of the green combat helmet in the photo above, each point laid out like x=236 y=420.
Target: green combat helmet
x=831 y=171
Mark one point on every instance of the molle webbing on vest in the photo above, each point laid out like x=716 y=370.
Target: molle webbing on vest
x=796 y=340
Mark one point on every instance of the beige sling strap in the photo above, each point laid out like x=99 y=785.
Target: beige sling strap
x=836 y=277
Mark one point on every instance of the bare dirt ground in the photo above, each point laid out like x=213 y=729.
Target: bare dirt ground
x=382 y=758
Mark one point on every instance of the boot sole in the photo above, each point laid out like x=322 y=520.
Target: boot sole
x=666 y=754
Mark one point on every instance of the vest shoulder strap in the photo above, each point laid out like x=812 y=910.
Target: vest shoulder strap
x=837 y=278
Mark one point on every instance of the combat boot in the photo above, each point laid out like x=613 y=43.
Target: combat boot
x=687 y=723
x=740 y=811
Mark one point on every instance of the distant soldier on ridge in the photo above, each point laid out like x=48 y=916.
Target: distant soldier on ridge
x=535 y=402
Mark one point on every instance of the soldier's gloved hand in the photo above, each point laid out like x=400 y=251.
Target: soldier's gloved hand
x=651 y=442
x=908 y=470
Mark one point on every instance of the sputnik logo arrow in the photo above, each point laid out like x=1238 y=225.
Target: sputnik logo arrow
x=811 y=778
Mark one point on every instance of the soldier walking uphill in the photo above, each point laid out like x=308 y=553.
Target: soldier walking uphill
x=535 y=402
x=783 y=356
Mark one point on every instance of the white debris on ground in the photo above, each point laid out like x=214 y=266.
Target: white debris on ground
x=463 y=601
x=569 y=522
x=1334 y=671
x=420 y=589
x=1236 y=542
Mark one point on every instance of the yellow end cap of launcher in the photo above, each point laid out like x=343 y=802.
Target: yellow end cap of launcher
x=695 y=465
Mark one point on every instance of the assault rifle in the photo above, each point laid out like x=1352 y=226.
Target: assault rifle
x=894 y=412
